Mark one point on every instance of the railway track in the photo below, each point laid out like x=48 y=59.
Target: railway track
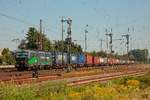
x=101 y=78
x=74 y=80
x=5 y=76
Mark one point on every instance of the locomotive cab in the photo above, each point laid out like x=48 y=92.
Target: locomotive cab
x=21 y=60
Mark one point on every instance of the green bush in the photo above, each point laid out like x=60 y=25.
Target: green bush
x=123 y=80
x=145 y=81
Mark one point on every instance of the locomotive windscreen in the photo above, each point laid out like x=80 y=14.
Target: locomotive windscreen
x=21 y=56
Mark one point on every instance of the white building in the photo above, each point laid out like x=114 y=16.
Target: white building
x=1 y=50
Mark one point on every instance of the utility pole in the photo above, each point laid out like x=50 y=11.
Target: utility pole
x=62 y=37
x=106 y=40
x=86 y=31
x=110 y=42
x=131 y=43
x=69 y=38
x=127 y=42
x=40 y=39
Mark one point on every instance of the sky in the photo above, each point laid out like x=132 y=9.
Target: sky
x=16 y=16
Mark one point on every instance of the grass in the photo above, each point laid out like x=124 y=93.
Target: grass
x=12 y=92
x=137 y=88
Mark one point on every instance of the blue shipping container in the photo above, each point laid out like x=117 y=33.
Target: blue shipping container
x=81 y=59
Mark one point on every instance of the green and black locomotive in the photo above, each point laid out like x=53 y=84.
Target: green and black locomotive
x=28 y=59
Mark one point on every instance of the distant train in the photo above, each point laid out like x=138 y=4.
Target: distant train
x=29 y=59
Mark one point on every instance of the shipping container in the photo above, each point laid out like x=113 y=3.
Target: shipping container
x=114 y=61
x=126 y=62
x=58 y=58
x=89 y=60
x=73 y=59
x=101 y=60
x=117 y=61
x=121 y=62
x=110 y=61
x=132 y=62
x=81 y=59
x=96 y=60
x=105 y=61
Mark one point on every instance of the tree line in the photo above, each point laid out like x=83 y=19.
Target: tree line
x=34 y=38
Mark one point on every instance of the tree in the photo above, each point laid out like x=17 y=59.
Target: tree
x=7 y=57
x=139 y=55
x=102 y=54
x=74 y=48
x=46 y=44
x=32 y=41
x=23 y=44
x=32 y=38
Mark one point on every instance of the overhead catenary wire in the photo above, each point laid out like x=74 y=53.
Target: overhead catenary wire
x=16 y=19
x=24 y=22
x=49 y=30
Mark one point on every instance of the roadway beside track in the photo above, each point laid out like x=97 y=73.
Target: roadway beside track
x=6 y=66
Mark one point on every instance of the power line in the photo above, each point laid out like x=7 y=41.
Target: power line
x=24 y=22
x=16 y=19
x=53 y=28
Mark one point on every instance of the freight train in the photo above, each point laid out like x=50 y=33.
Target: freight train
x=29 y=59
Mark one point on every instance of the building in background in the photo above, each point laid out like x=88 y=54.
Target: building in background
x=1 y=50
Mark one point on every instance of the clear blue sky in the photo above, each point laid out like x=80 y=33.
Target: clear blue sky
x=98 y=14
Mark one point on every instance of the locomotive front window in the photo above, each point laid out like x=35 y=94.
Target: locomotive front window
x=21 y=55
x=20 y=59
